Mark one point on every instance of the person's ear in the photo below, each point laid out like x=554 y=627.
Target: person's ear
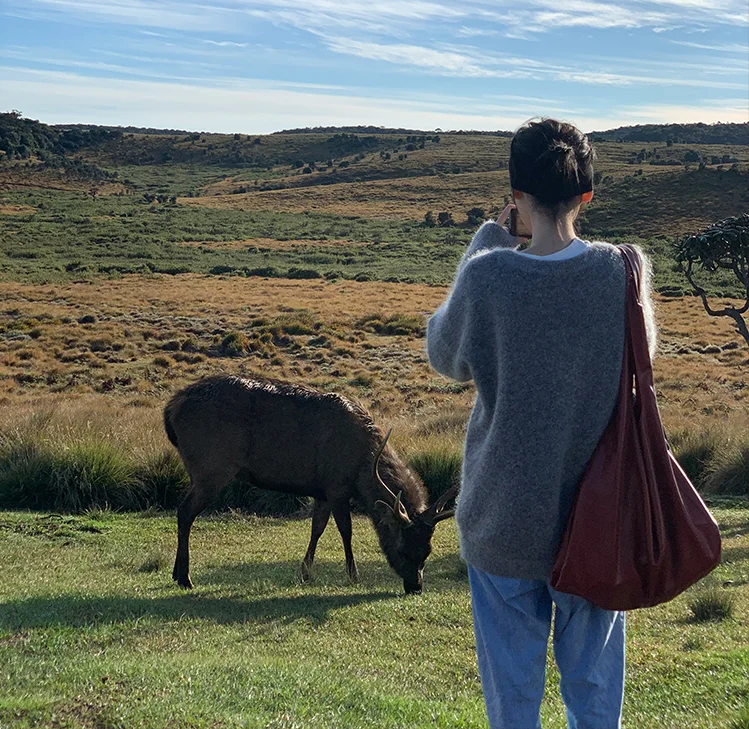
x=586 y=197
x=517 y=194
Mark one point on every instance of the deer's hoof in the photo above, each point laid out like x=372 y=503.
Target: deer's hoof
x=305 y=574
x=183 y=581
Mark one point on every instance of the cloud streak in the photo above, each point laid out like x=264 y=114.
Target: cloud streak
x=257 y=108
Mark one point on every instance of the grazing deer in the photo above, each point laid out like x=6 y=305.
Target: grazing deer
x=291 y=438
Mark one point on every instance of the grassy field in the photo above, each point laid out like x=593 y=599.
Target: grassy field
x=94 y=634
x=112 y=300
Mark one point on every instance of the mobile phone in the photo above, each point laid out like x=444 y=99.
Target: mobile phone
x=517 y=225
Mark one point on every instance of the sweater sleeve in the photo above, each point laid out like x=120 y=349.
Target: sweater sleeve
x=490 y=235
x=449 y=330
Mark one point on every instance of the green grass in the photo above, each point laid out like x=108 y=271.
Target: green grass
x=72 y=236
x=94 y=634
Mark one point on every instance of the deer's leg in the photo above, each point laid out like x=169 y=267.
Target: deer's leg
x=320 y=516
x=198 y=497
x=342 y=516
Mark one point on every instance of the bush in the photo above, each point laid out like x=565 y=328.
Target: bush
x=445 y=220
x=35 y=475
x=728 y=472
x=394 y=325
x=711 y=604
x=303 y=273
x=695 y=450
x=163 y=480
x=476 y=216
x=264 y=271
x=439 y=468
x=234 y=344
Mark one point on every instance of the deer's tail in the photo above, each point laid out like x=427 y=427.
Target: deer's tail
x=168 y=427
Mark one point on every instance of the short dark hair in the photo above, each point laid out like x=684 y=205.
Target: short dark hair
x=551 y=160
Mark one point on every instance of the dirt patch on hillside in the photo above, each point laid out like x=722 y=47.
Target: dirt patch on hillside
x=270 y=244
x=408 y=197
x=16 y=209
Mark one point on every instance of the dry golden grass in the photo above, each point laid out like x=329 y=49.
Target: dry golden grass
x=16 y=209
x=134 y=341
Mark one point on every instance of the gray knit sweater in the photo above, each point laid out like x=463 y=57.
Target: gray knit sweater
x=543 y=342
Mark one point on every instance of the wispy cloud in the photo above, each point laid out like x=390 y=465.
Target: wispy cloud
x=394 y=16
x=257 y=108
x=725 y=48
x=625 y=55
x=473 y=64
x=226 y=44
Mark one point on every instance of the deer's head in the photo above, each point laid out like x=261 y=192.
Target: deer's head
x=410 y=533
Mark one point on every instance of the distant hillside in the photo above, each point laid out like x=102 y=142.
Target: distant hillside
x=123 y=130
x=51 y=148
x=25 y=138
x=389 y=130
x=698 y=133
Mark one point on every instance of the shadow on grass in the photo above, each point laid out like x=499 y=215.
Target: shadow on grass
x=440 y=573
x=732 y=555
x=75 y=611
x=735 y=530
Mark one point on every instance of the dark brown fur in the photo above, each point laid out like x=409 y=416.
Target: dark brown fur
x=286 y=437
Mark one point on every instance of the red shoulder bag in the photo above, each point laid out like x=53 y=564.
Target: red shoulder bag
x=638 y=533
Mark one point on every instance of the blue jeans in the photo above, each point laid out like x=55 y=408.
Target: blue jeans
x=512 y=622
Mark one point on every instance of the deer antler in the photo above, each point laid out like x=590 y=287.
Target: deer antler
x=397 y=506
x=436 y=512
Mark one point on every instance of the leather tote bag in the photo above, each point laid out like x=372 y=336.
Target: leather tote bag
x=638 y=533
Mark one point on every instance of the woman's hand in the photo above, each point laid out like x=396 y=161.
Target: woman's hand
x=505 y=214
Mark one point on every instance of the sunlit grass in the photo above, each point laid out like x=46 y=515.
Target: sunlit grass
x=93 y=633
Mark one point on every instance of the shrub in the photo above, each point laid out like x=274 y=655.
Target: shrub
x=476 y=216
x=445 y=220
x=362 y=379
x=711 y=604
x=234 y=344
x=303 y=273
x=439 y=468
x=728 y=472
x=163 y=480
x=264 y=271
x=35 y=475
x=297 y=322
x=695 y=450
x=394 y=325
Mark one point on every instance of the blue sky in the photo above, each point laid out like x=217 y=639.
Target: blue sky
x=257 y=66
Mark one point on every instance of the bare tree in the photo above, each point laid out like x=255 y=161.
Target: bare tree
x=724 y=246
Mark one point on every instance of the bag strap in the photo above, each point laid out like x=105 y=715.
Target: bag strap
x=636 y=332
